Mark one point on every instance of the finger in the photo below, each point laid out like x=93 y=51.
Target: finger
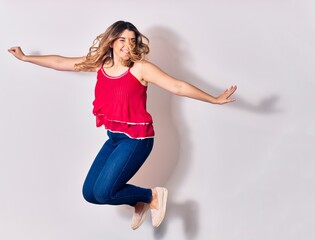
x=229 y=100
x=14 y=48
x=11 y=50
x=231 y=90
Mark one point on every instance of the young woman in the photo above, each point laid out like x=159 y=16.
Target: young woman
x=123 y=74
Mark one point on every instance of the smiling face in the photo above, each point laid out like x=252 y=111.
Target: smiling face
x=122 y=45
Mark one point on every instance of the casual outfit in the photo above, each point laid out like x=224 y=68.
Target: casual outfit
x=120 y=106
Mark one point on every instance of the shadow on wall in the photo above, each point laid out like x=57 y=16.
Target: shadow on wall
x=170 y=159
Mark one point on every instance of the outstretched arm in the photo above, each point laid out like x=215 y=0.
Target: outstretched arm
x=50 y=61
x=153 y=74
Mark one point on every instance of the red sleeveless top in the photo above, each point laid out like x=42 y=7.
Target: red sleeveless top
x=120 y=105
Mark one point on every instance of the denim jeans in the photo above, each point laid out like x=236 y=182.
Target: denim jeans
x=115 y=164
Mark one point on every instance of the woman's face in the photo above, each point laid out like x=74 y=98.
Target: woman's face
x=121 y=46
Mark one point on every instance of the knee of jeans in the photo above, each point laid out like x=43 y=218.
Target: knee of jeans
x=103 y=196
x=89 y=196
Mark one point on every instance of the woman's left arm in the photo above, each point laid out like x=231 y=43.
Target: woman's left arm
x=153 y=74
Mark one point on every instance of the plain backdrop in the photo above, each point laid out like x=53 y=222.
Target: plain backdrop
x=243 y=171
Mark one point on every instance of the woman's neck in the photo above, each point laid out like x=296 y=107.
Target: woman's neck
x=116 y=69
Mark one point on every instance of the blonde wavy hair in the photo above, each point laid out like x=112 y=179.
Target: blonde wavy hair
x=101 y=52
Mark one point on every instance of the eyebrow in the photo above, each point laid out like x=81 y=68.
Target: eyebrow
x=125 y=38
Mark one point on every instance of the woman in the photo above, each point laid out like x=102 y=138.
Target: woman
x=123 y=74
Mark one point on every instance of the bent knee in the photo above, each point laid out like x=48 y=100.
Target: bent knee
x=89 y=196
x=102 y=196
x=98 y=195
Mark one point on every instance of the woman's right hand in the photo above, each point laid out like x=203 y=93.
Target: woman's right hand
x=17 y=52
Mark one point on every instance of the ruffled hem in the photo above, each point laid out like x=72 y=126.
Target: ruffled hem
x=101 y=118
x=133 y=130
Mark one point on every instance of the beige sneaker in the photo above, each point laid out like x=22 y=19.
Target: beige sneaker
x=159 y=214
x=138 y=218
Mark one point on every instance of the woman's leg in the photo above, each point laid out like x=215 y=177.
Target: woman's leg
x=95 y=171
x=107 y=180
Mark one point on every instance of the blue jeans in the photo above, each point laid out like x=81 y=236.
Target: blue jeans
x=115 y=164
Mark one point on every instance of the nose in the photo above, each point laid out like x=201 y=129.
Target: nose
x=127 y=44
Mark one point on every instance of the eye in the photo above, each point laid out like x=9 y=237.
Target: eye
x=121 y=39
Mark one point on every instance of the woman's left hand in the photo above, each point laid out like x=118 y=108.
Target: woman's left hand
x=225 y=96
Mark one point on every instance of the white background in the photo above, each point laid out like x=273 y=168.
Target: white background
x=243 y=171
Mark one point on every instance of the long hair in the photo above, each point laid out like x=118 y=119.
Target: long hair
x=101 y=52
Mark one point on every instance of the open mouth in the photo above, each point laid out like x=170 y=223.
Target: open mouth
x=125 y=51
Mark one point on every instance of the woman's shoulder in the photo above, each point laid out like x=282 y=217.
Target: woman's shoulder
x=141 y=65
x=138 y=68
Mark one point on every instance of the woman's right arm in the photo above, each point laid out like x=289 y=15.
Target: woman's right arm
x=56 y=62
